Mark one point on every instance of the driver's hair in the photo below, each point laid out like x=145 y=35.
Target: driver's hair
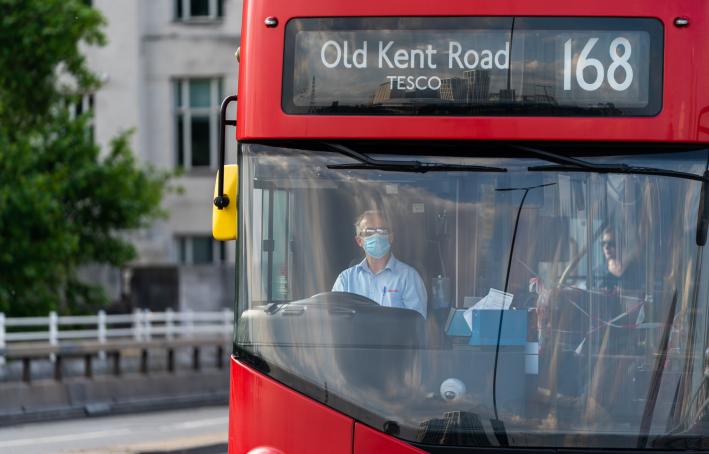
x=360 y=218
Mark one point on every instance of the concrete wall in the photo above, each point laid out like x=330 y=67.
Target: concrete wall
x=147 y=50
x=190 y=287
x=119 y=105
x=80 y=397
x=207 y=288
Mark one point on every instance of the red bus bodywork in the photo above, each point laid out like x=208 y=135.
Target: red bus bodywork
x=266 y=416
x=685 y=105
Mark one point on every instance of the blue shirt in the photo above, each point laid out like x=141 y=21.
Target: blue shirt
x=397 y=285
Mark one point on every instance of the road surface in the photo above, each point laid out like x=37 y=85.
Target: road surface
x=169 y=431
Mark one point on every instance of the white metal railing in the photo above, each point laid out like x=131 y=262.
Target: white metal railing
x=141 y=325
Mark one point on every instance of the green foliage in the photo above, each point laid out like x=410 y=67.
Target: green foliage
x=38 y=43
x=63 y=202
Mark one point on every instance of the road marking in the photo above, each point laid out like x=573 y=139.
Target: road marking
x=61 y=438
x=175 y=443
x=201 y=423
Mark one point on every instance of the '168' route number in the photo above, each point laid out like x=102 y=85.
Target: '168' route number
x=619 y=65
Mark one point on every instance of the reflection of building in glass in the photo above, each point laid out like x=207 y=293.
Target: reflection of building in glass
x=507 y=95
x=422 y=94
x=478 y=81
x=538 y=94
x=474 y=88
x=385 y=92
x=454 y=89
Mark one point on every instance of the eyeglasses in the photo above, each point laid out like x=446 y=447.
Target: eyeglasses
x=608 y=243
x=369 y=231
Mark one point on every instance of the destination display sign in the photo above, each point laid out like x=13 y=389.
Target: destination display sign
x=473 y=66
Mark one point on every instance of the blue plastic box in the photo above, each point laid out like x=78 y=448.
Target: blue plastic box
x=456 y=325
x=487 y=321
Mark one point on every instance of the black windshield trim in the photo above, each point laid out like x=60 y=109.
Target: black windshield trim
x=565 y=156
x=571 y=164
x=367 y=162
x=484 y=148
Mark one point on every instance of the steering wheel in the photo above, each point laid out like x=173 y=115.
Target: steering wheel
x=338 y=298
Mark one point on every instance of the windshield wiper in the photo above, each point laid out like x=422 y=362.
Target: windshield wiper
x=367 y=162
x=569 y=164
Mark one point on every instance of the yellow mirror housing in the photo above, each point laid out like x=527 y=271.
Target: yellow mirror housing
x=224 y=220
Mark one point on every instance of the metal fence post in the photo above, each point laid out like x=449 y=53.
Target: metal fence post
x=189 y=323
x=2 y=338
x=101 y=327
x=136 y=325
x=53 y=332
x=102 y=332
x=147 y=321
x=169 y=323
x=53 y=328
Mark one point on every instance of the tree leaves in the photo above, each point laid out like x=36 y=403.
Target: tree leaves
x=62 y=204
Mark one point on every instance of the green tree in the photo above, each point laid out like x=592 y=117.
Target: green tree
x=63 y=202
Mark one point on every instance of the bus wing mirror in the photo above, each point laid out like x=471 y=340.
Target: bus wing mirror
x=224 y=219
x=223 y=212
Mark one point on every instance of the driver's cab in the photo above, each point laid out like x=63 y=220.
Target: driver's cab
x=551 y=288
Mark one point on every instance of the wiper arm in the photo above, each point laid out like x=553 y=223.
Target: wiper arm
x=367 y=162
x=569 y=164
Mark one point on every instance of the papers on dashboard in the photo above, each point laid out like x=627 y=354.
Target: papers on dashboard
x=494 y=300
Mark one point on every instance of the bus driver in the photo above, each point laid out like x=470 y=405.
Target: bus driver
x=380 y=276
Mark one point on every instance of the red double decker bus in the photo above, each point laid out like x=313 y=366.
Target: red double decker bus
x=469 y=226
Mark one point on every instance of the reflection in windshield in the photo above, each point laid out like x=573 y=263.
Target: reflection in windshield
x=399 y=298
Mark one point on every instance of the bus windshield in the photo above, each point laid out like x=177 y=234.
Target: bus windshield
x=482 y=305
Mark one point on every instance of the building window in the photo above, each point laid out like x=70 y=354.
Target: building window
x=84 y=105
x=200 y=250
x=197 y=121
x=198 y=10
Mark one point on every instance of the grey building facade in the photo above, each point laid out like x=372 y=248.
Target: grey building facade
x=165 y=69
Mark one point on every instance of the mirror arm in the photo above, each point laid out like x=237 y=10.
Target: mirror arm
x=703 y=212
x=222 y=200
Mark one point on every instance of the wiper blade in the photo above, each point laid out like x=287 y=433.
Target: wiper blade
x=569 y=164
x=367 y=162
